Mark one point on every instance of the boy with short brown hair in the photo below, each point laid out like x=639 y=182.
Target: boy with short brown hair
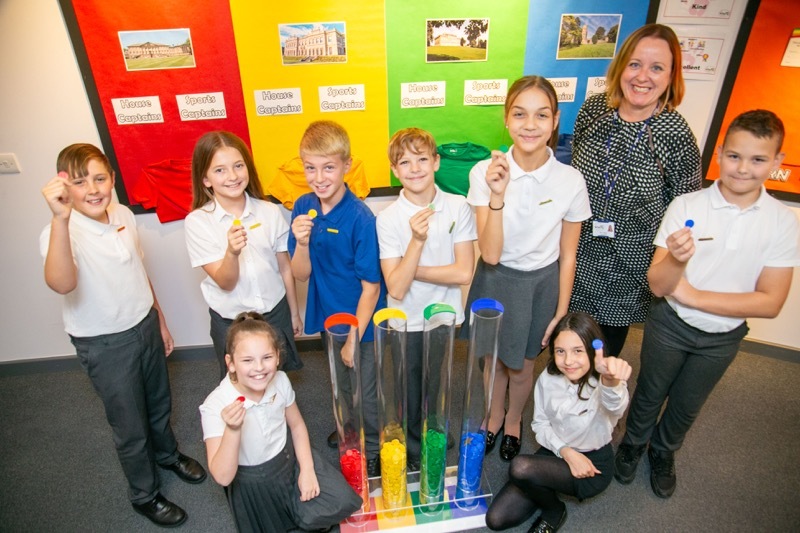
x=723 y=254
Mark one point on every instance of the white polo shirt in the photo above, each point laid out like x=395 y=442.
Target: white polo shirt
x=113 y=293
x=732 y=246
x=452 y=223
x=260 y=286
x=536 y=203
x=264 y=427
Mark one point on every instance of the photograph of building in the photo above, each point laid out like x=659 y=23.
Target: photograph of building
x=456 y=40
x=316 y=42
x=157 y=49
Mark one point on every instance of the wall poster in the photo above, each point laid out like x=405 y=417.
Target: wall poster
x=697 y=11
x=158 y=77
x=700 y=51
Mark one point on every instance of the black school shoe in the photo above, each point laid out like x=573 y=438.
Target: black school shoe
x=625 y=462
x=540 y=525
x=187 y=469
x=662 y=472
x=510 y=446
x=491 y=440
x=161 y=512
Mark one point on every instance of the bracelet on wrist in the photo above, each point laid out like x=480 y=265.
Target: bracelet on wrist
x=496 y=208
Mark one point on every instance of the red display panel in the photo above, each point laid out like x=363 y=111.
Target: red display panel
x=206 y=63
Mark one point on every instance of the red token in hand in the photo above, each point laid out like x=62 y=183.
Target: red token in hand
x=240 y=399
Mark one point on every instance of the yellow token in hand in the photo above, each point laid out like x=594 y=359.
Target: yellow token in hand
x=237 y=222
x=312 y=213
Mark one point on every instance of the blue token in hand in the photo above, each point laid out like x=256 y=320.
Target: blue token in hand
x=597 y=344
x=689 y=223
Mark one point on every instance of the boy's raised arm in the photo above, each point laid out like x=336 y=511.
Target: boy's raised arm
x=301 y=259
x=60 y=272
x=668 y=264
x=400 y=272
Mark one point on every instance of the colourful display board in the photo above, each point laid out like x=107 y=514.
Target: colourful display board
x=549 y=54
x=266 y=70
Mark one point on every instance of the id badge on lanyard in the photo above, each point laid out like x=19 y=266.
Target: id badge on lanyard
x=604 y=227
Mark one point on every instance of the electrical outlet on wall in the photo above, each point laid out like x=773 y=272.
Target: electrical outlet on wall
x=9 y=164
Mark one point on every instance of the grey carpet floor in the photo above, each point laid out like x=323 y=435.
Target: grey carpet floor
x=739 y=469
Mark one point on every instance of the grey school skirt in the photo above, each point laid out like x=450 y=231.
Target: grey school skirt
x=266 y=498
x=530 y=299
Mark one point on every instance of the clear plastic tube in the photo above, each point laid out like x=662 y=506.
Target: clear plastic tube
x=390 y=365
x=486 y=316
x=437 y=370
x=341 y=333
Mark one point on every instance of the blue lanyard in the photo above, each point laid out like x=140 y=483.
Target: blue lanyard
x=609 y=182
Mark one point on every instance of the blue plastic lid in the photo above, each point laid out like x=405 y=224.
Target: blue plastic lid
x=486 y=303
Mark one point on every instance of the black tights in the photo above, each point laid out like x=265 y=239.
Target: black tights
x=615 y=338
x=533 y=484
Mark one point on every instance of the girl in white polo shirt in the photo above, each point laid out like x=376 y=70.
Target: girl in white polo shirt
x=240 y=240
x=274 y=483
x=529 y=209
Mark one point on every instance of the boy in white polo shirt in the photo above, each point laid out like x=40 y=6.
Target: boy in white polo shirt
x=723 y=254
x=426 y=247
x=92 y=257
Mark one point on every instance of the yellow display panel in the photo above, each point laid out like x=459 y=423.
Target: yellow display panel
x=275 y=138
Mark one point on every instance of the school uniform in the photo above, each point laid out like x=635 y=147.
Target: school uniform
x=562 y=418
x=685 y=351
x=111 y=321
x=343 y=250
x=525 y=280
x=453 y=222
x=264 y=494
x=260 y=286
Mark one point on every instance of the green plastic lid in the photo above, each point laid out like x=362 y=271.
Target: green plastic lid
x=435 y=309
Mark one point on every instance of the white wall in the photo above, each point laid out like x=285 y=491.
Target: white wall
x=43 y=107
